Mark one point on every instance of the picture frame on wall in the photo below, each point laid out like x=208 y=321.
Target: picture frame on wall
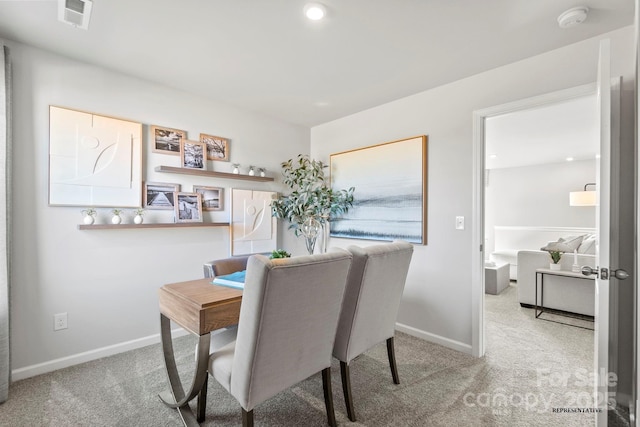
x=188 y=207
x=166 y=140
x=94 y=160
x=217 y=147
x=212 y=197
x=193 y=154
x=390 y=198
x=159 y=195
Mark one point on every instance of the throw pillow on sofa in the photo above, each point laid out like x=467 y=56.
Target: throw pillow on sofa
x=564 y=244
x=588 y=245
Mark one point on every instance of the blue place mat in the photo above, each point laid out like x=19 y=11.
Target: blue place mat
x=233 y=280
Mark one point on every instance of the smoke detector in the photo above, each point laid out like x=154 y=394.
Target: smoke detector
x=572 y=17
x=75 y=12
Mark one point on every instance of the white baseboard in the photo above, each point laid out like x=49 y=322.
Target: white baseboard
x=87 y=356
x=437 y=339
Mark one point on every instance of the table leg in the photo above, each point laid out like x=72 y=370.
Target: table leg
x=537 y=312
x=176 y=397
x=541 y=294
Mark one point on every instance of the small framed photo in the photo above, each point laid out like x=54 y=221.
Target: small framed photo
x=166 y=140
x=159 y=195
x=193 y=154
x=188 y=207
x=212 y=197
x=217 y=147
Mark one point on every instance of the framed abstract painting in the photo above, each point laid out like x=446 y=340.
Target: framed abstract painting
x=390 y=198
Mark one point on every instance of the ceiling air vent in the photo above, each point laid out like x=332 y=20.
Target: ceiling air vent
x=75 y=12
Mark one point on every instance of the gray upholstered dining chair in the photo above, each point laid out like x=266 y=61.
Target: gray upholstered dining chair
x=370 y=307
x=221 y=267
x=288 y=319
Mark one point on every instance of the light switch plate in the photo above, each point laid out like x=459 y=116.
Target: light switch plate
x=459 y=223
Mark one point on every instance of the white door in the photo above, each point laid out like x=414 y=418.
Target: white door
x=606 y=259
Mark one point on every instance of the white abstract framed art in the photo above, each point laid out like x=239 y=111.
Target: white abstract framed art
x=94 y=160
x=253 y=229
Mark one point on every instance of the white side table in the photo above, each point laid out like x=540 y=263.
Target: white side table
x=540 y=274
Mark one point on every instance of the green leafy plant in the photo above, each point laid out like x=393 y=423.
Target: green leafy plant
x=138 y=211
x=116 y=211
x=280 y=253
x=311 y=195
x=555 y=256
x=89 y=211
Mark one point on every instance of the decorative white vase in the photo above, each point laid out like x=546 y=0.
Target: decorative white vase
x=138 y=219
x=115 y=219
x=88 y=219
x=554 y=267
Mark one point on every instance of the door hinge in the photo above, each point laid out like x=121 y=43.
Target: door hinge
x=481 y=247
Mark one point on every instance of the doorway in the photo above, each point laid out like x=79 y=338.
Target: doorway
x=526 y=185
x=480 y=180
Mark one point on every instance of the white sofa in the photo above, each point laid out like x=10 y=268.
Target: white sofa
x=508 y=240
x=560 y=293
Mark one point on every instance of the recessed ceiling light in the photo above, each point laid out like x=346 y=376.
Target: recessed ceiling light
x=493 y=156
x=572 y=17
x=315 y=11
x=569 y=159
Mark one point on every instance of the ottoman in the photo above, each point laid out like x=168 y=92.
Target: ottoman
x=496 y=278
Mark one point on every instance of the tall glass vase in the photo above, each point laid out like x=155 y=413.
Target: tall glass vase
x=311 y=244
x=310 y=229
x=326 y=228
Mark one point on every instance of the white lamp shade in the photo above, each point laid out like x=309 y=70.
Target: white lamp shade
x=582 y=198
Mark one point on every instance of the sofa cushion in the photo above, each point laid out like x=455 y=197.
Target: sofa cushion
x=588 y=245
x=564 y=244
x=502 y=257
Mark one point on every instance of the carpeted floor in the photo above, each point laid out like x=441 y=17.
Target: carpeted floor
x=531 y=367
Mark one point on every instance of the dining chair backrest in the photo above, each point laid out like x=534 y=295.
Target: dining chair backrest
x=288 y=320
x=224 y=266
x=372 y=297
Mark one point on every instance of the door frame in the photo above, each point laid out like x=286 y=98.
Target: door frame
x=478 y=345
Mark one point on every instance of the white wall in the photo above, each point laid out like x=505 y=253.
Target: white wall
x=437 y=298
x=107 y=280
x=537 y=196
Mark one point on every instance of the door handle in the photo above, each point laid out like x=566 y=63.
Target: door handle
x=620 y=274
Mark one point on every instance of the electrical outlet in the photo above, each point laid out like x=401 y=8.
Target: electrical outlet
x=59 y=321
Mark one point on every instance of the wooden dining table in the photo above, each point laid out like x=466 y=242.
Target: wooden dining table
x=199 y=307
